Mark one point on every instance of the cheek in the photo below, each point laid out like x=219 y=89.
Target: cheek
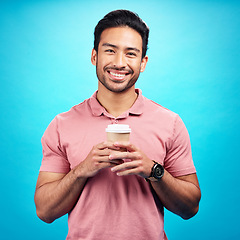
x=136 y=63
x=102 y=63
x=137 y=67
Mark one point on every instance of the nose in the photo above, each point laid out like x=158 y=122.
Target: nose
x=119 y=60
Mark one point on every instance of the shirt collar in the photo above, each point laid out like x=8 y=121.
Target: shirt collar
x=136 y=109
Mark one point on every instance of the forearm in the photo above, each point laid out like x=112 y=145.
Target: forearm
x=55 y=199
x=57 y=194
x=177 y=195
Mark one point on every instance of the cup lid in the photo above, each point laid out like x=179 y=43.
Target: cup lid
x=118 y=128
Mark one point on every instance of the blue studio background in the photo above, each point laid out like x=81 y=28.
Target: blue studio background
x=193 y=69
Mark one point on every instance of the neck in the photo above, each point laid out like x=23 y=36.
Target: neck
x=116 y=103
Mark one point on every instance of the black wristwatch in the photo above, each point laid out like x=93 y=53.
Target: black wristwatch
x=156 y=173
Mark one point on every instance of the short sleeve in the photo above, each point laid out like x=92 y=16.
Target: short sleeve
x=54 y=156
x=178 y=160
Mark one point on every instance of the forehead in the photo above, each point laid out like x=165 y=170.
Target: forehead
x=122 y=37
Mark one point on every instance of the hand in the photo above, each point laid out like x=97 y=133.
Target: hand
x=139 y=163
x=97 y=159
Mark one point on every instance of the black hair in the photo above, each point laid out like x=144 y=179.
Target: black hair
x=119 y=18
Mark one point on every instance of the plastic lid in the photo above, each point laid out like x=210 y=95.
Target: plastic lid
x=118 y=128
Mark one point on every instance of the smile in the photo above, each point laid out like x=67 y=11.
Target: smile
x=118 y=76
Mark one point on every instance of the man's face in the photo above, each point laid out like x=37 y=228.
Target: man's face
x=119 y=58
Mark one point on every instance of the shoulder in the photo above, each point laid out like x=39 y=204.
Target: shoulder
x=154 y=108
x=70 y=118
x=163 y=119
x=75 y=111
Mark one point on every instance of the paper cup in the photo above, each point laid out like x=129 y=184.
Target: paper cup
x=118 y=132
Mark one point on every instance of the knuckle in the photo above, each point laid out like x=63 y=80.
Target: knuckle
x=105 y=144
x=141 y=163
x=94 y=152
x=95 y=146
x=94 y=158
x=96 y=164
x=138 y=156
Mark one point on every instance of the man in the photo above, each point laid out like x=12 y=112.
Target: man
x=82 y=174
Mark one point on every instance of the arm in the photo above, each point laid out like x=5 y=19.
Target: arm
x=180 y=195
x=57 y=193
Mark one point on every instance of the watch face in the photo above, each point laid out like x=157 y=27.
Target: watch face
x=158 y=171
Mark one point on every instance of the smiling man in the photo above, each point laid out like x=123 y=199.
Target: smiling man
x=109 y=193
x=119 y=58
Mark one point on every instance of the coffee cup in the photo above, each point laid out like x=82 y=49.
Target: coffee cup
x=118 y=132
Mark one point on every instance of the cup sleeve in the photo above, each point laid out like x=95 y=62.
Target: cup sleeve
x=54 y=155
x=178 y=160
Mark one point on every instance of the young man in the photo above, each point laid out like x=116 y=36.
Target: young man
x=87 y=177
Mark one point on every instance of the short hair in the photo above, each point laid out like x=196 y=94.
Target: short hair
x=120 y=18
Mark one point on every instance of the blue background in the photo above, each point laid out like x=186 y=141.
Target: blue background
x=193 y=69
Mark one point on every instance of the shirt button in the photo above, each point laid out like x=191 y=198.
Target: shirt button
x=116 y=121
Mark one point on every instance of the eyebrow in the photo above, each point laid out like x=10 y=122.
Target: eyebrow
x=114 y=46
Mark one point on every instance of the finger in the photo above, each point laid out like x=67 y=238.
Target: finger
x=127 y=145
x=127 y=172
x=125 y=155
x=126 y=165
x=106 y=144
x=105 y=152
x=105 y=163
x=116 y=161
x=131 y=168
x=101 y=159
x=101 y=152
x=102 y=165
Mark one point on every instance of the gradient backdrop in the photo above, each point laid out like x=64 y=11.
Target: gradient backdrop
x=193 y=69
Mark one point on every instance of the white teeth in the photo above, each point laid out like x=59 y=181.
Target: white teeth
x=117 y=74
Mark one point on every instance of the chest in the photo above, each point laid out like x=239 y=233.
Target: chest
x=147 y=135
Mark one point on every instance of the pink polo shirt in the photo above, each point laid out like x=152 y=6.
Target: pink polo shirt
x=113 y=207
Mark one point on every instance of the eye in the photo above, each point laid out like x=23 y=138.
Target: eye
x=132 y=54
x=109 y=51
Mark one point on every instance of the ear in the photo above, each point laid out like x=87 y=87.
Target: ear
x=144 y=63
x=94 y=57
